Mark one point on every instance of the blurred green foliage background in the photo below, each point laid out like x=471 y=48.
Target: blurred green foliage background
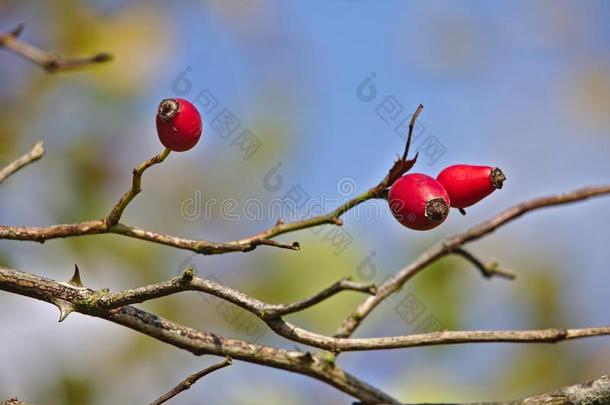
x=521 y=85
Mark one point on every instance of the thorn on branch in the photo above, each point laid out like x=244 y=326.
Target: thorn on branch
x=65 y=308
x=76 y=280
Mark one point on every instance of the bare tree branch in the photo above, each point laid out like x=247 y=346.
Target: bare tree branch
x=71 y=297
x=269 y=313
x=187 y=282
x=33 y=155
x=449 y=245
x=50 y=62
x=68 y=297
x=587 y=393
x=96 y=227
x=338 y=345
x=190 y=380
x=595 y=392
x=111 y=224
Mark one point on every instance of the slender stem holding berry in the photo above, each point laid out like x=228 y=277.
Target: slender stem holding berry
x=136 y=186
x=33 y=155
x=50 y=62
x=190 y=380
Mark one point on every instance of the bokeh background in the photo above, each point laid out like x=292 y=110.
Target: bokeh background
x=522 y=85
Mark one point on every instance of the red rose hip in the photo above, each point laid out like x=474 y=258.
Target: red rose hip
x=178 y=124
x=419 y=201
x=469 y=184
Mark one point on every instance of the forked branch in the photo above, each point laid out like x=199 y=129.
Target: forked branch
x=49 y=61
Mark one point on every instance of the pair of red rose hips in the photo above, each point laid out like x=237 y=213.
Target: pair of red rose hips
x=421 y=202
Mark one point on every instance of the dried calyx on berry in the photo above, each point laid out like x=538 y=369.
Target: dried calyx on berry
x=179 y=124
x=168 y=109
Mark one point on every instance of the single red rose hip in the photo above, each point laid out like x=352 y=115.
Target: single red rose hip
x=178 y=124
x=469 y=184
x=419 y=201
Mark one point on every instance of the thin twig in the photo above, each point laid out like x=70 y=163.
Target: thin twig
x=33 y=155
x=487 y=270
x=50 y=62
x=136 y=186
x=187 y=282
x=96 y=227
x=451 y=337
x=344 y=284
x=420 y=108
x=434 y=253
x=190 y=380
